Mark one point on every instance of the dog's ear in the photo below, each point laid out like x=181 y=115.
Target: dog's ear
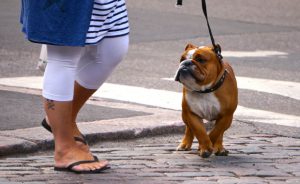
x=182 y=58
x=190 y=46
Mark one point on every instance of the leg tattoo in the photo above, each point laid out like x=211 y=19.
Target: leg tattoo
x=50 y=104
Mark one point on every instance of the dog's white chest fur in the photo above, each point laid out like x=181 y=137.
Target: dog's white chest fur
x=205 y=105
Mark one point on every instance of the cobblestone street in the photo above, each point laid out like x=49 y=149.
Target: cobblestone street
x=254 y=158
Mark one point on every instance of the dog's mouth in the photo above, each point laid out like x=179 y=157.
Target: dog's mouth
x=188 y=72
x=183 y=71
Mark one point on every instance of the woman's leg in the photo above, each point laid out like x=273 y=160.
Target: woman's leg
x=96 y=64
x=58 y=91
x=81 y=95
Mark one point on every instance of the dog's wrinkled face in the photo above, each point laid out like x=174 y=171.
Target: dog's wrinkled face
x=198 y=68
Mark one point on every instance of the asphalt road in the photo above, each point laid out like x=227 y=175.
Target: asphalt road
x=159 y=33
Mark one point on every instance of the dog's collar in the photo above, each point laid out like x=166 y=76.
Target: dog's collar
x=217 y=85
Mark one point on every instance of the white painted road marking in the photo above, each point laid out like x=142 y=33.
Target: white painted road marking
x=160 y=98
x=283 y=88
x=258 y=53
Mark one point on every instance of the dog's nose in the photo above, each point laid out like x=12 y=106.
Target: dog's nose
x=176 y=77
x=183 y=67
x=186 y=63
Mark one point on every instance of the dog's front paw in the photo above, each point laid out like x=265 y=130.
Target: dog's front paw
x=219 y=150
x=223 y=152
x=183 y=147
x=205 y=153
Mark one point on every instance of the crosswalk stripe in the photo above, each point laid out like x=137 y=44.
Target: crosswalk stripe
x=283 y=88
x=160 y=98
x=257 y=53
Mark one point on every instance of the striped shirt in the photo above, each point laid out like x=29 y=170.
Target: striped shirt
x=109 y=19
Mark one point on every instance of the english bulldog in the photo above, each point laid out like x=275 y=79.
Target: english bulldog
x=209 y=92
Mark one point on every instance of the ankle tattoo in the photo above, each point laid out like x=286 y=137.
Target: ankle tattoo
x=50 y=104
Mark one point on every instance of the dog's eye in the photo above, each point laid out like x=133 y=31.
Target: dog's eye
x=199 y=59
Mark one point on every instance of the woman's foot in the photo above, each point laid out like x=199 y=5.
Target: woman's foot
x=68 y=156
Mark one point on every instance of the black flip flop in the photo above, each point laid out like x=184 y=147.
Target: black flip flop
x=70 y=167
x=76 y=138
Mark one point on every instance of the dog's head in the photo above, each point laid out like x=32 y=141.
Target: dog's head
x=199 y=68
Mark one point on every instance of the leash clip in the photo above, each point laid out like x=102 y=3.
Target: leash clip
x=218 y=50
x=179 y=3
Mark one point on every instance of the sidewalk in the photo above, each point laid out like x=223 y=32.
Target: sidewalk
x=123 y=121
x=259 y=153
x=254 y=158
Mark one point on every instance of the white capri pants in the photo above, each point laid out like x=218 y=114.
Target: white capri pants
x=89 y=66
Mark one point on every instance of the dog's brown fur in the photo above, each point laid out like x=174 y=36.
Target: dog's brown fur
x=222 y=102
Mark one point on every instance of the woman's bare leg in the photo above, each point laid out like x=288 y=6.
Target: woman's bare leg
x=81 y=95
x=66 y=149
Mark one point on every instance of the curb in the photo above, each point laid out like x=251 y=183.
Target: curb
x=11 y=145
x=24 y=143
x=154 y=121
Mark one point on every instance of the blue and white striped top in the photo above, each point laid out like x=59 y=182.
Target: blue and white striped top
x=109 y=19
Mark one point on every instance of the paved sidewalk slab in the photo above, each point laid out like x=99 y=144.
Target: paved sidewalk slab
x=110 y=120
x=25 y=110
x=269 y=162
x=151 y=121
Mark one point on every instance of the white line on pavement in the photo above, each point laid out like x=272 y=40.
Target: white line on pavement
x=258 y=53
x=283 y=88
x=160 y=98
